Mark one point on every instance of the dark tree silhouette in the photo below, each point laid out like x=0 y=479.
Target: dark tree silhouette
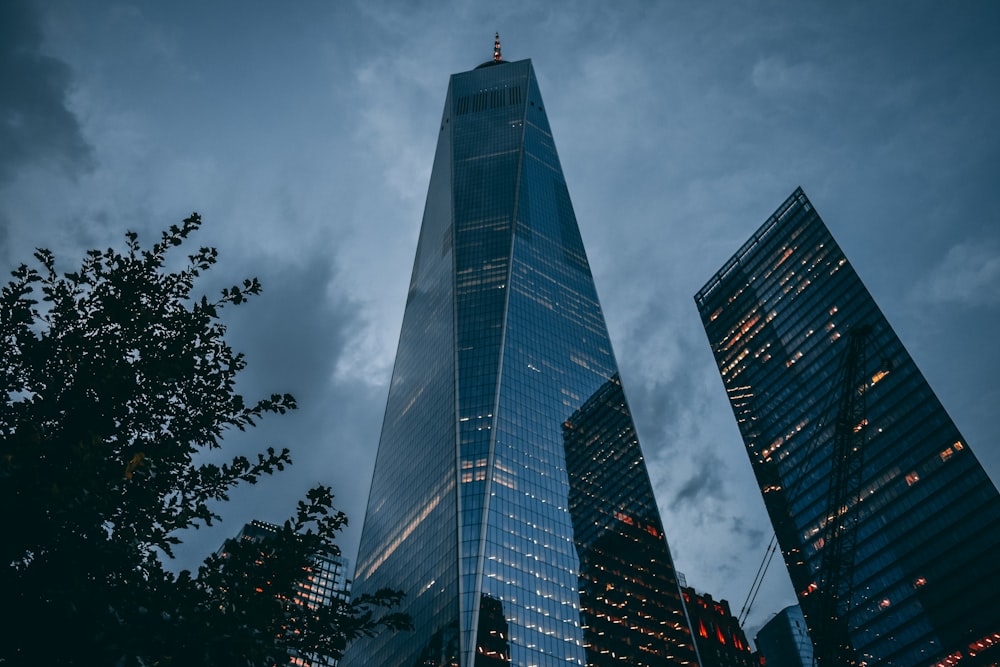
x=115 y=380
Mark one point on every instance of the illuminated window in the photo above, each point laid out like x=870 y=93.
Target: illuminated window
x=625 y=518
x=912 y=478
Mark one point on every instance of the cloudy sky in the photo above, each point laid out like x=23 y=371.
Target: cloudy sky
x=303 y=132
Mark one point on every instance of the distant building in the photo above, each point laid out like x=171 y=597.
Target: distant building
x=510 y=499
x=923 y=519
x=784 y=640
x=327 y=581
x=717 y=633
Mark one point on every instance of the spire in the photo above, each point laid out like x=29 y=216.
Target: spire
x=497 y=58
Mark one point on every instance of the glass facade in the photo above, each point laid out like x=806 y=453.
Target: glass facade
x=926 y=571
x=784 y=641
x=504 y=410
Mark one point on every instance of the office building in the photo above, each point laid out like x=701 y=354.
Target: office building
x=326 y=582
x=784 y=641
x=493 y=503
x=914 y=545
x=720 y=640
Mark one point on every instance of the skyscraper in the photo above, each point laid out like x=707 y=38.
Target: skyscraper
x=493 y=503
x=923 y=517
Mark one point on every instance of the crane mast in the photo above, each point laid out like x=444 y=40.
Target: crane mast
x=831 y=628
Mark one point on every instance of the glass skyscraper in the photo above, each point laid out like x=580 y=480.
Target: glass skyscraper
x=510 y=499
x=926 y=565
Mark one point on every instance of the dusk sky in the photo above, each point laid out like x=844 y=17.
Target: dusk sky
x=304 y=133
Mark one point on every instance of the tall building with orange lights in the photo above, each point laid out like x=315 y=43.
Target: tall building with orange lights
x=510 y=498
x=924 y=574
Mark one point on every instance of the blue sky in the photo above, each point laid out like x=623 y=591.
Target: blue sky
x=304 y=133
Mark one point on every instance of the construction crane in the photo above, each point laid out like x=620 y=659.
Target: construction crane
x=829 y=606
x=836 y=585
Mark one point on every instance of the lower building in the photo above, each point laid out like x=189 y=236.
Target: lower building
x=326 y=582
x=717 y=633
x=784 y=641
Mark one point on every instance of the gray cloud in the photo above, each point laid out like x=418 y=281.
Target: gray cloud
x=968 y=274
x=36 y=124
x=293 y=335
x=305 y=135
x=707 y=478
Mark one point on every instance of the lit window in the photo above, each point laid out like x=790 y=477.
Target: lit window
x=625 y=518
x=912 y=478
x=878 y=376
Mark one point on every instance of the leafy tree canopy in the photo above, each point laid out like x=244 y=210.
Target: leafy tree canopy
x=116 y=379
